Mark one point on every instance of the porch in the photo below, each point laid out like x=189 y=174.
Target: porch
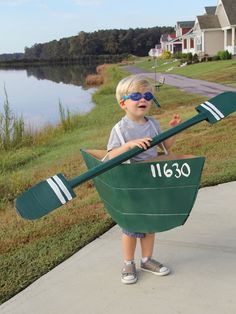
x=229 y=40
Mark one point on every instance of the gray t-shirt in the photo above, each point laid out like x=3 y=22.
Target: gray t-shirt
x=131 y=130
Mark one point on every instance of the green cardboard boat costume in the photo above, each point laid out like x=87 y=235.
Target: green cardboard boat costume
x=150 y=196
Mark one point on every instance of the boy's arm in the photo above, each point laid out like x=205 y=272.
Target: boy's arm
x=142 y=143
x=170 y=141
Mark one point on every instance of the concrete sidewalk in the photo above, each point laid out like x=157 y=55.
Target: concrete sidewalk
x=201 y=254
x=199 y=87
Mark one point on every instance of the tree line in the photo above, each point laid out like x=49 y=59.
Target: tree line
x=136 y=41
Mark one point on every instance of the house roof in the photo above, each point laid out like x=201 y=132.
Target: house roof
x=208 y=21
x=210 y=10
x=185 y=24
x=168 y=37
x=172 y=35
x=176 y=40
x=189 y=34
x=230 y=9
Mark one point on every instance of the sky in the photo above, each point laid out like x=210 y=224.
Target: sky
x=26 y=22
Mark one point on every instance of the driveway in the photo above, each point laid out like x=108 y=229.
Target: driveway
x=200 y=87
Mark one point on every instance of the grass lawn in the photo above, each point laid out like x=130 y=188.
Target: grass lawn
x=29 y=249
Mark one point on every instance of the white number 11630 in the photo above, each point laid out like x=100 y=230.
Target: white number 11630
x=174 y=170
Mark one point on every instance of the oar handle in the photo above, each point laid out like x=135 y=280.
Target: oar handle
x=107 y=165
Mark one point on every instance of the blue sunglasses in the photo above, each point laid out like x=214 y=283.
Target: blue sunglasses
x=137 y=96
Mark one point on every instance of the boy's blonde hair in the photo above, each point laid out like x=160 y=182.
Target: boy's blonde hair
x=132 y=84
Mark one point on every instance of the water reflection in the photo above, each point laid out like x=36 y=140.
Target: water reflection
x=35 y=92
x=67 y=74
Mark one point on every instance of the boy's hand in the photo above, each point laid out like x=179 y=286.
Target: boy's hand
x=175 y=120
x=142 y=143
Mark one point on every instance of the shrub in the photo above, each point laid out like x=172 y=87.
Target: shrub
x=98 y=78
x=130 y=57
x=179 y=55
x=215 y=58
x=195 y=58
x=189 y=57
x=224 y=55
x=94 y=80
x=166 y=55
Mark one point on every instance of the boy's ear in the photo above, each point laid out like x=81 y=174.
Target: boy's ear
x=122 y=103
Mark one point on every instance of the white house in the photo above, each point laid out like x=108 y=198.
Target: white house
x=211 y=32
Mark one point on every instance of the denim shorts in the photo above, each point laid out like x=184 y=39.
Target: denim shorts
x=134 y=234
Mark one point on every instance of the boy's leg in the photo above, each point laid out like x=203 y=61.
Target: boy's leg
x=128 y=274
x=128 y=247
x=147 y=262
x=147 y=244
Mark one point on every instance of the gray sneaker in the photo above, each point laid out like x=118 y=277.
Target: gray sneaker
x=129 y=274
x=155 y=267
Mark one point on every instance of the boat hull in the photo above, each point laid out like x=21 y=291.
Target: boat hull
x=151 y=196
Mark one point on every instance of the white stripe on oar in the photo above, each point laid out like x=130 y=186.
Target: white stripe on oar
x=56 y=190
x=62 y=187
x=215 y=109
x=211 y=111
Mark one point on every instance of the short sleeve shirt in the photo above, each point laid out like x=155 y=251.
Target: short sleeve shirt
x=131 y=130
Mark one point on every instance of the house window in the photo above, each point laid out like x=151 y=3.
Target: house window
x=185 y=43
x=191 y=43
x=199 y=43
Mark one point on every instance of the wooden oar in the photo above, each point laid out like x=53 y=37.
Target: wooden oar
x=55 y=191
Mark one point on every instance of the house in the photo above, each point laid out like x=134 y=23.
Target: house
x=187 y=39
x=173 y=42
x=211 y=32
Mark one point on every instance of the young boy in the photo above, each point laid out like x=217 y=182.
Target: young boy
x=134 y=95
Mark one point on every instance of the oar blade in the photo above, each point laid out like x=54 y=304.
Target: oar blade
x=44 y=197
x=219 y=106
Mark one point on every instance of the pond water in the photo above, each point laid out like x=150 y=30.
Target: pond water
x=35 y=92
